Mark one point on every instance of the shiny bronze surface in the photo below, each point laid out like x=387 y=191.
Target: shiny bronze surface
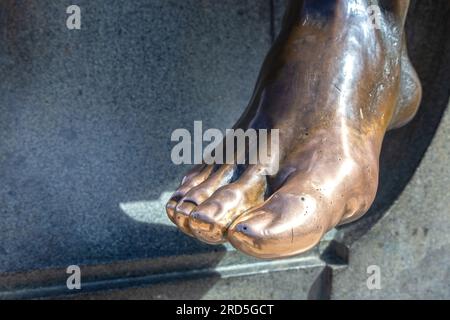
x=333 y=84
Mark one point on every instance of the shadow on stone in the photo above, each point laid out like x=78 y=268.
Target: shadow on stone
x=321 y=287
x=171 y=261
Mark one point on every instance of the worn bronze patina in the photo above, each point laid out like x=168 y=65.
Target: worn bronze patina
x=333 y=84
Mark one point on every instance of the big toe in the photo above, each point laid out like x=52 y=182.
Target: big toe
x=285 y=225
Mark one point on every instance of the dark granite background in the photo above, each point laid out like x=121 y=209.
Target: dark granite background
x=87 y=115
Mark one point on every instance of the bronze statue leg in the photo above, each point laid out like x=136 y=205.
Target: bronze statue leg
x=333 y=85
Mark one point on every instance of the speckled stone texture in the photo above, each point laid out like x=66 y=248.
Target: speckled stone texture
x=87 y=116
x=85 y=125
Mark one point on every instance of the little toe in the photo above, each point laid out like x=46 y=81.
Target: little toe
x=193 y=178
x=199 y=194
x=210 y=220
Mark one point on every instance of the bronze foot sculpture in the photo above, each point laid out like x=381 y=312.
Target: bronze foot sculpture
x=333 y=84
